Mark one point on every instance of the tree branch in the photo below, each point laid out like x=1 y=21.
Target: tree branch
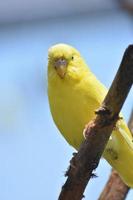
x=116 y=189
x=98 y=132
x=130 y=123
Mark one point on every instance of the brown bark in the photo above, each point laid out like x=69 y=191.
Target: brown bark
x=116 y=189
x=130 y=123
x=98 y=132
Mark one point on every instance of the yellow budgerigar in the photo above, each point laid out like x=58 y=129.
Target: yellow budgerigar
x=74 y=94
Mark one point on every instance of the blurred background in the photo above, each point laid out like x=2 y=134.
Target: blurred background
x=33 y=155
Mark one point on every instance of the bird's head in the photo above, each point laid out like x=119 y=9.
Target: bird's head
x=62 y=59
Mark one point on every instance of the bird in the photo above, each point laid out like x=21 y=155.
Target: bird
x=74 y=94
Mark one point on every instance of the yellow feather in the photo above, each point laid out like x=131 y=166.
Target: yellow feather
x=73 y=100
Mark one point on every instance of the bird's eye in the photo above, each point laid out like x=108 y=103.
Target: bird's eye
x=72 y=57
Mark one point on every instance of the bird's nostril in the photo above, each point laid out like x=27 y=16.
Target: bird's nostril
x=60 y=62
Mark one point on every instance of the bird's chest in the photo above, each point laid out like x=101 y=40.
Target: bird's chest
x=71 y=110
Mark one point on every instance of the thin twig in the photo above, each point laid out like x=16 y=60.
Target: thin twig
x=115 y=188
x=130 y=123
x=98 y=132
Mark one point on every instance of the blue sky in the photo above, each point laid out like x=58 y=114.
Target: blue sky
x=33 y=154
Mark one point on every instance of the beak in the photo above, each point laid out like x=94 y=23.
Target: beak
x=61 y=67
